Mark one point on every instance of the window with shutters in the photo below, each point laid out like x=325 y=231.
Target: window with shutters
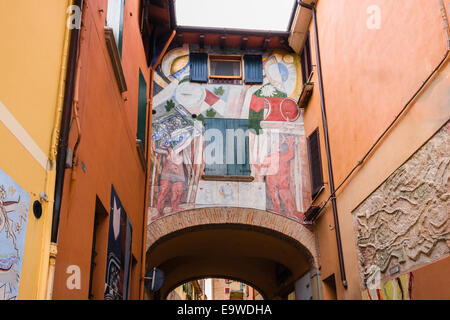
x=114 y=20
x=315 y=163
x=226 y=148
x=142 y=109
x=305 y=58
x=225 y=67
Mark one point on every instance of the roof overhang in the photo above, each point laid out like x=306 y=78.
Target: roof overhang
x=299 y=26
x=162 y=15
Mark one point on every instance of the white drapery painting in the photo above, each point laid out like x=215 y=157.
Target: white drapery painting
x=14 y=204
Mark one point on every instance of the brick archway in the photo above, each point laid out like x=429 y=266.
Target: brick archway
x=193 y=243
x=176 y=222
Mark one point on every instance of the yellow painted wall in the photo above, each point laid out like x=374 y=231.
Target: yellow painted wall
x=32 y=66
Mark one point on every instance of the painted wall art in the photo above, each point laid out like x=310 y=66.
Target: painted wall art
x=399 y=288
x=276 y=139
x=119 y=251
x=14 y=206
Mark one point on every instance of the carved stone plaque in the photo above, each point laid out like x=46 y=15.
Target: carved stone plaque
x=405 y=221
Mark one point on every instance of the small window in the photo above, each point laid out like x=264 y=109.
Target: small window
x=305 y=58
x=225 y=67
x=315 y=163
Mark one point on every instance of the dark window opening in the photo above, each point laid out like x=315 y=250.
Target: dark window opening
x=330 y=287
x=142 y=110
x=227 y=67
x=98 y=253
x=146 y=29
x=305 y=58
x=315 y=163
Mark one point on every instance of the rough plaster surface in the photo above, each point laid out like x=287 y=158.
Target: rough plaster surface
x=405 y=223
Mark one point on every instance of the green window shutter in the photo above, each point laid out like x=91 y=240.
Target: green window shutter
x=198 y=67
x=238 y=147
x=219 y=169
x=235 y=147
x=253 y=69
x=114 y=20
x=142 y=109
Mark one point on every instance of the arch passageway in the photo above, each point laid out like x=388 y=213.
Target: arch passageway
x=264 y=250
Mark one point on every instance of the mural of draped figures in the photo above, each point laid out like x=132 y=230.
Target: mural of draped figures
x=274 y=166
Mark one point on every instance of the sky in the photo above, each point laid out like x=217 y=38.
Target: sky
x=267 y=15
x=208 y=288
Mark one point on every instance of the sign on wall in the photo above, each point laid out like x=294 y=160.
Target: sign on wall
x=119 y=251
x=14 y=204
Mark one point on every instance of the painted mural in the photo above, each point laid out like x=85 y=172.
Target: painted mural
x=277 y=150
x=119 y=251
x=14 y=204
x=399 y=288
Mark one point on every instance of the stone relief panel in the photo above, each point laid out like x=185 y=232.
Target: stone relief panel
x=405 y=222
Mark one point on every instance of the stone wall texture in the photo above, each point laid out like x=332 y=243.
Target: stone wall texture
x=405 y=224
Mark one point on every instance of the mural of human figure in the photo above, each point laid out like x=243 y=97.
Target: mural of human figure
x=278 y=183
x=173 y=176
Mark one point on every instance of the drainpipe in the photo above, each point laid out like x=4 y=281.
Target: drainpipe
x=327 y=143
x=62 y=146
x=147 y=170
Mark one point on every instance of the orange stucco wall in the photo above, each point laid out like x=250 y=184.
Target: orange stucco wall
x=428 y=286
x=369 y=75
x=107 y=149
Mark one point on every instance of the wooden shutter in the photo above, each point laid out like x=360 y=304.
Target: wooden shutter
x=198 y=67
x=306 y=60
x=127 y=261
x=219 y=169
x=253 y=69
x=239 y=167
x=142 y=109
x=315 y=163
x=231 y=148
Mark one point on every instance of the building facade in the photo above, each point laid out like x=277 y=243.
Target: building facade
x=225 y=289
x=33 y=72
x=385 y=95
x=311 y=163
x=100 y=231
